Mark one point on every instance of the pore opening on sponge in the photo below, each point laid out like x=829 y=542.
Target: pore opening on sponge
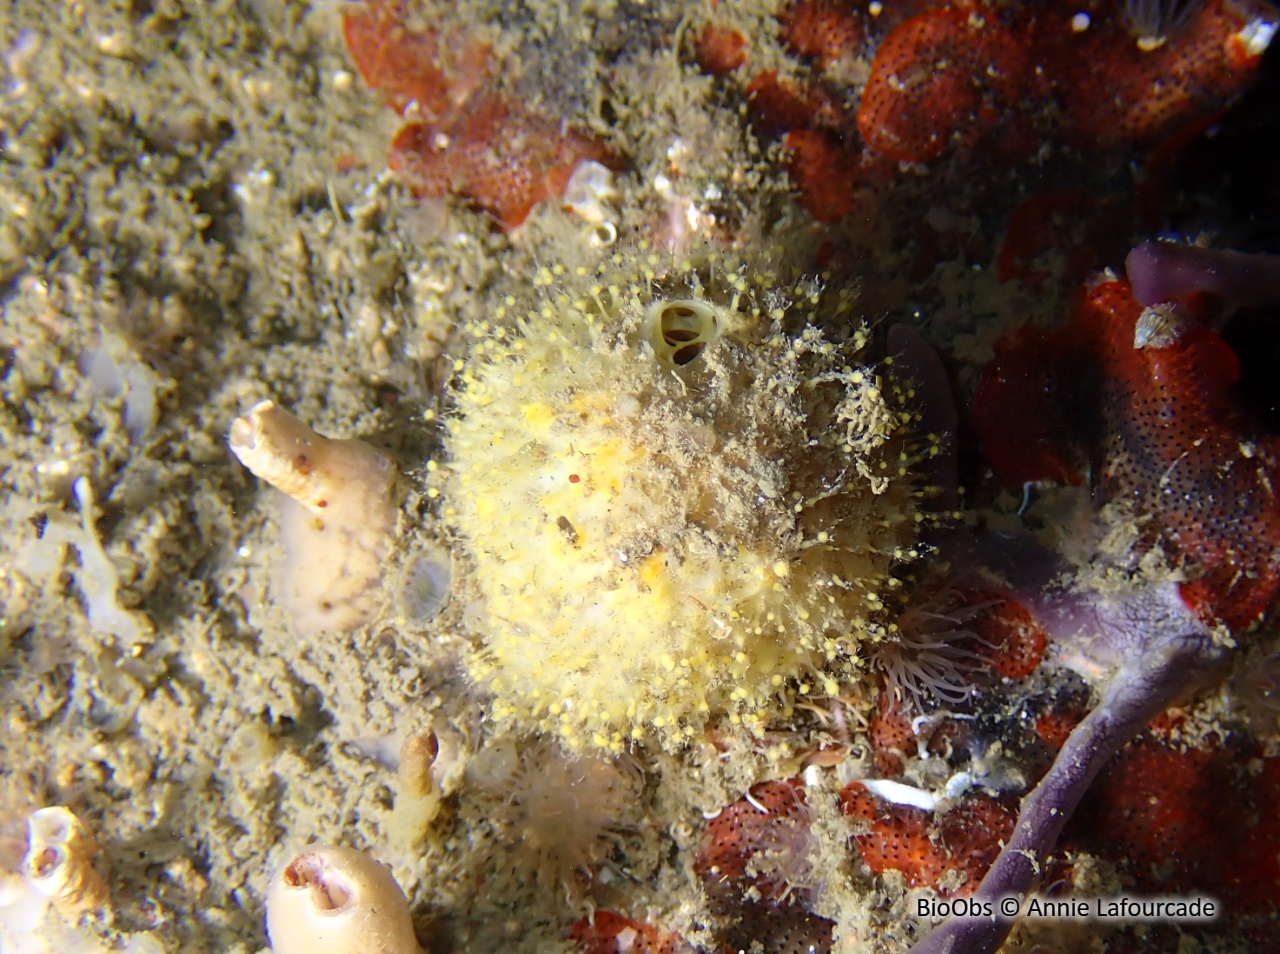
x=680 y=330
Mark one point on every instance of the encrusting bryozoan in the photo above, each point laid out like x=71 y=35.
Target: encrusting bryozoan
x=337 y=519
x=331 y=900
x=59 y=862
x=681 y=498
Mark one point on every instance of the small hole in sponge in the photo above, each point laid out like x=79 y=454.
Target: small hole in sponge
x=680 y=330
x=687 y=355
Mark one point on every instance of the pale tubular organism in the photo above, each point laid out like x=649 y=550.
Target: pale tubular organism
x=338 y=520
x=331 y=900
x=418 y=795
x=59 y=862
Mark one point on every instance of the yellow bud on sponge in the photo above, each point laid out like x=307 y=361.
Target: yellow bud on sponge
x=681 y=500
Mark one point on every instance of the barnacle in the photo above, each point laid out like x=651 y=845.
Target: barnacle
x=60 y=861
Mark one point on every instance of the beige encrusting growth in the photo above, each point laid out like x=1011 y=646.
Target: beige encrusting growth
x=331 y=900
x=337 y=521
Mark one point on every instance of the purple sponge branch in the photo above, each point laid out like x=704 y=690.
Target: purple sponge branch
x=1156 y=649
x=1163 y=271
x=1166 y=654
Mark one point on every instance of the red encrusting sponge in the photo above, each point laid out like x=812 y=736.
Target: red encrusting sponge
x=924 y=847
x=1148 y=402
x=463 y=138
x=1195 y=821
x=608 y=933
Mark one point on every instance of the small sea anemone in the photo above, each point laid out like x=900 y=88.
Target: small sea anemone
x=758 y=862
x=566 y=814
x=761 y=843
x=1153 y=22
x=930 y=655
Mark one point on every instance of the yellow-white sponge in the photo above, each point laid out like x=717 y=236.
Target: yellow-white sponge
x=681 y=500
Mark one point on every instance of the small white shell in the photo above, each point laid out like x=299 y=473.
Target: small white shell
x=602 y=234
x=1160 y=326
x=589 y=191
x=59 y=861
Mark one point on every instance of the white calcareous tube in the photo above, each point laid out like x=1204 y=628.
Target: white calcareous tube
x=330 y=900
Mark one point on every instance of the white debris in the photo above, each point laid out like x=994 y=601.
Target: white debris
x=1257 y=36
x=902 y=794
x=98 y=578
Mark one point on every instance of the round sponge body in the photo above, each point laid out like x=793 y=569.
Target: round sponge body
x=681 y=499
